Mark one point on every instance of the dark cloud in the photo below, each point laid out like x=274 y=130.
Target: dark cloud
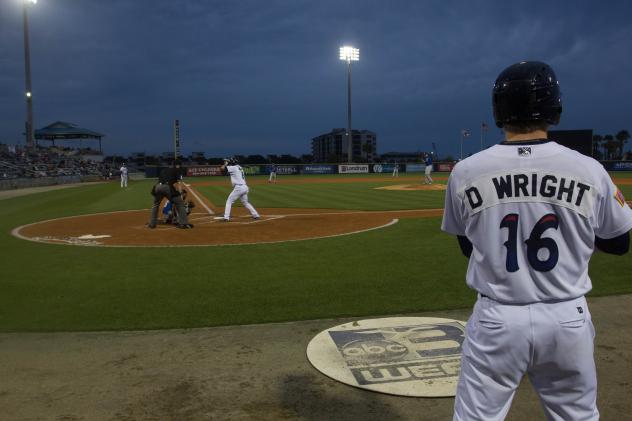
x=264 y=77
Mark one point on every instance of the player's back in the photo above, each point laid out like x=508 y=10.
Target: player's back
x=531 y=212
x=236 y=173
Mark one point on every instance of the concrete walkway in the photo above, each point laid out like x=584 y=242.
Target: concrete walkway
x=255 y=372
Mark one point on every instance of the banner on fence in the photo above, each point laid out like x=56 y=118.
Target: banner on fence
x=618 y=165
x=443 y=166
x=415 y=167
x=204 y=171
x=353 y=169
x=385 y=168
x=319 y=169
x=253 y=170
x=286 y=169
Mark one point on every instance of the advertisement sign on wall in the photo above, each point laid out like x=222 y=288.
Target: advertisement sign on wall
x=252 y=170
x=385 y=168
x=319 y=169
x=353 y=169
x=204 y=171
x=443 y=166
x=286 y=169
x=415 y=167
x=619 y=166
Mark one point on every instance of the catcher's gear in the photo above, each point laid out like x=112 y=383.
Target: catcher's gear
x=189 y=206
x=527 y=91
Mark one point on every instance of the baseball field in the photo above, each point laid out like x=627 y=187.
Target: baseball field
x=326 y=247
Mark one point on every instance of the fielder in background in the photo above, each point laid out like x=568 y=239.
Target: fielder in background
x=428 y=162
x=529 y=213
x=240 y=189
x=123 y=175
x=273 y=173
x=166 y=189
x=396 y=170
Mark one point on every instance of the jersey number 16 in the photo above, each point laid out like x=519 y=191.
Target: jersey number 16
x=534 y=243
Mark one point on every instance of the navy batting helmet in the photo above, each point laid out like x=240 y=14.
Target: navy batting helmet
x=525 y=92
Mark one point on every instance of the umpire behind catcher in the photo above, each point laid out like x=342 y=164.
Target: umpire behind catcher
x=165 y=188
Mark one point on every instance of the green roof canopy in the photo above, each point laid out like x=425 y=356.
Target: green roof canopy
x=63 y=130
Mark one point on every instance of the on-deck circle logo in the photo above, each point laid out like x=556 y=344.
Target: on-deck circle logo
x=411 y=356
x=373 y=351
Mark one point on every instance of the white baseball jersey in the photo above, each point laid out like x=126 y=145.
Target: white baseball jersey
x=237 y=176
x=123 y=171
x=532 y=212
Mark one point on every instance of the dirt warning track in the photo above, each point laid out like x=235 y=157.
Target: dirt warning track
x=128 y=228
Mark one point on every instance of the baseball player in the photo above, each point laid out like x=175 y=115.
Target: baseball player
x=123 y=175
x=240 y=188
x=529 y=213
x=170 y=212
x=273 y=173
x=166 y=189
x=396 y=170
x=428 y=162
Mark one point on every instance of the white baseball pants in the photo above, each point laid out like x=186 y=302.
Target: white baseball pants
x=240 y=192
x=427 y=177
x=550 y=342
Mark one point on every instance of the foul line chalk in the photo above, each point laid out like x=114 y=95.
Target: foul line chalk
x=192 y=191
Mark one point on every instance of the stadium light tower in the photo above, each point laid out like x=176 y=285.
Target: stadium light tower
x=27 y=73
x=349 y=54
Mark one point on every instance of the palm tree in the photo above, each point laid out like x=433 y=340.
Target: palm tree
x=610 y=145
x=622 y=136
x=596 y=144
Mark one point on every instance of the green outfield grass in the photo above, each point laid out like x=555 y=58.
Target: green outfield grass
x=357 y=196
x=409 y=267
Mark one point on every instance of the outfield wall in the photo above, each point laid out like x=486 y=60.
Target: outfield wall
x=375 y=168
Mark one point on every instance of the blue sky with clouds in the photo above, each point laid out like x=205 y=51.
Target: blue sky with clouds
x=263 y=76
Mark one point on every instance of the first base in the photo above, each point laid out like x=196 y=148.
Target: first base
x=406 y=356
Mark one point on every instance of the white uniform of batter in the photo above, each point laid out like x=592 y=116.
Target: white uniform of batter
x=240 y=191
x=531 y=212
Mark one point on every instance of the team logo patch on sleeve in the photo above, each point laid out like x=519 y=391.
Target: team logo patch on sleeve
x=619 y=197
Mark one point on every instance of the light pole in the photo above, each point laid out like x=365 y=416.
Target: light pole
x=484 y=129
x=27 y=74
x=464 y=133
x=349 y=54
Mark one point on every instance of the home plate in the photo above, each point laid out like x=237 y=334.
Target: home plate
x=92 y=237
x=407 y=356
